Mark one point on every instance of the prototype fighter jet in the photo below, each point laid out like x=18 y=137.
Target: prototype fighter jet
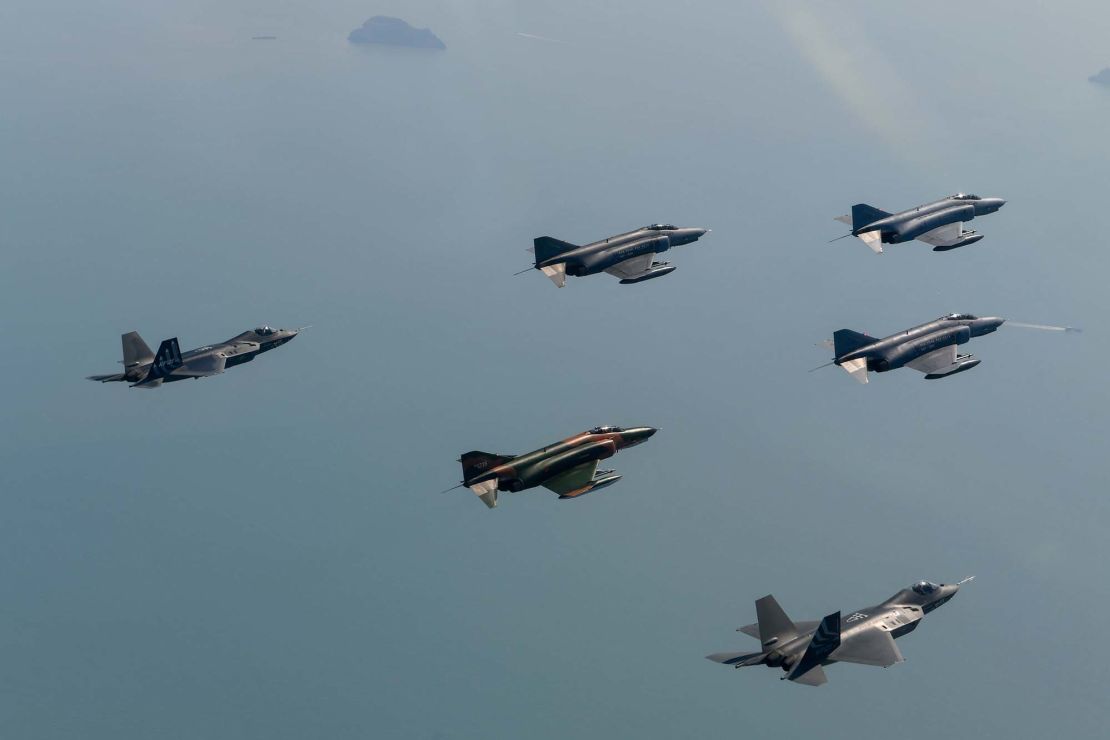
x=145 y=369
x=929 y=348
x=569 y=468
x=629 y=256
x=865 y=636
x=939 y=223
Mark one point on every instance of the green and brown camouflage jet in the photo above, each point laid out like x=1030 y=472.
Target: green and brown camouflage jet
x=569 y=467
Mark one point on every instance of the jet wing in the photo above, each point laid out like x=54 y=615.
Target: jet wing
x=938 y=359
x=575 y=479
x=632 y=267
x=202 y=367
x=944 y=236
x=870 y=647
x=752 y=630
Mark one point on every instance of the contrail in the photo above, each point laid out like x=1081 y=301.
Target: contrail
x=1046 y=327
x=541 y=38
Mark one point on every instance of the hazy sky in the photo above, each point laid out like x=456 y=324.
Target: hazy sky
x=265 y=554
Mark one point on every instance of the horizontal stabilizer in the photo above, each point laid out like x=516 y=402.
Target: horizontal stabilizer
x=845 y=219
x=487 y=491
x=856 y=368
x=737 y=659
x=873 y=239
x=813 y=677
x=557 y=273
x=107 y=378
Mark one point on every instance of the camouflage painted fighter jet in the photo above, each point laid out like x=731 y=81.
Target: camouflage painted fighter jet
x=629 y=256
x=145 y=369
x=939 y=223
x=865 y=636
x=569 y=468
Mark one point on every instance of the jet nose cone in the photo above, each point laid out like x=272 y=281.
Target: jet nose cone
x=637 y=435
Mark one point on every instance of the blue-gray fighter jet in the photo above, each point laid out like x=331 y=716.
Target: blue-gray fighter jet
x=629 y=256
x=939 y=223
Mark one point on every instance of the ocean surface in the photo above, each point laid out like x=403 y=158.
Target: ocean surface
x=266 y=554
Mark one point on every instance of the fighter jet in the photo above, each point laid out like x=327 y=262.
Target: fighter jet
x=145 y=369
x=569 y=468
x=629 y=256
x=929 y=348
x=865 y=636
x=939 y=223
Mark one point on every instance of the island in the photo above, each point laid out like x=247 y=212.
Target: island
x=382 y=29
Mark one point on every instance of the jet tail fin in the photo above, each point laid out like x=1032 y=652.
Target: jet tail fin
x=547 y=247
x=846 y=340
x=474 y=463
x=774 y=625
x=863 y=214
x=166 y=360
x=826 y=639
x=135 y=350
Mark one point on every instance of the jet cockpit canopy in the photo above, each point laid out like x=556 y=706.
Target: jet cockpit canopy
x=960 y=317
x=661 y=227
x=605 y=430
x=965 y=196
x=925 y=588
x=263 y=331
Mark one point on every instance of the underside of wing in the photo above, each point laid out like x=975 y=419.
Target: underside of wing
x=873 y=647
x=944 y=236
x=630 y=268
x=935 y=361
x=574 y=481
x=202 y=367
x=752 y=630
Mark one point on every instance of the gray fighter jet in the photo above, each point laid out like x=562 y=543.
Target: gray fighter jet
x=865 y=636
x=567 y=467
x=929 y=348
x=629 y=256
x=939 y=223
x=145 y=369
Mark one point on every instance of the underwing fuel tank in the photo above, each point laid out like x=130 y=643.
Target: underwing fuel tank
x=602 y=479
x=659 y=269
x=969 y=239
x=959 y=367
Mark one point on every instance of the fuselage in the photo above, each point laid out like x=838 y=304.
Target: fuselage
x=914 y=222
x=533 y=468
x=899 y=615
x=598 y=256
x=894 y=351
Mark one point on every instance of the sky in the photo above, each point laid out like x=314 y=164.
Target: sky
x=267 y=554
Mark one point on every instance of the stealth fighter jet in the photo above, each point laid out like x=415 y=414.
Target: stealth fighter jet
x=865 y=636
x=145 y=369
x=569 y=468
x=939 y=223
x=629 y=256
x=929 y=348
